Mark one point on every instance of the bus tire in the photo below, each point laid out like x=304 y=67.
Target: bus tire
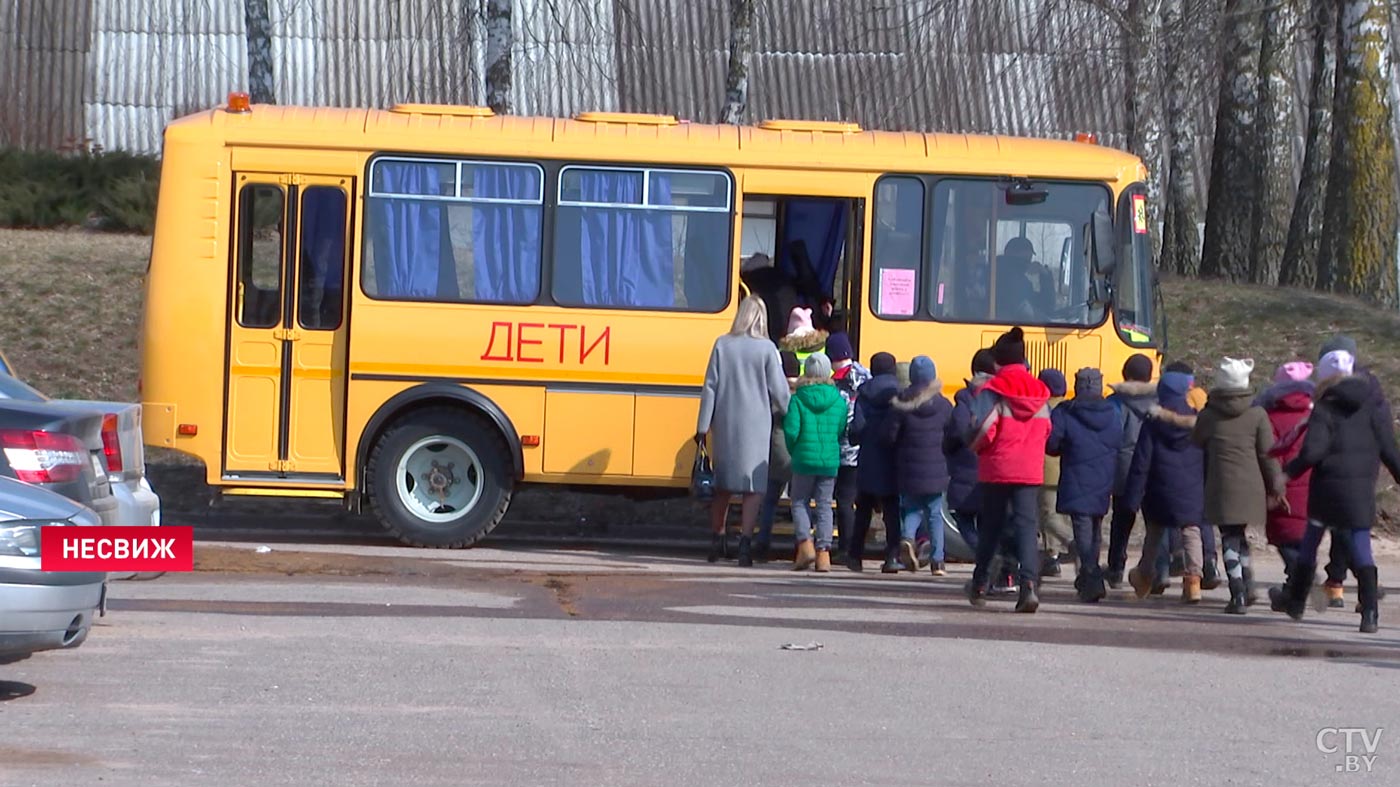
x=440 y=478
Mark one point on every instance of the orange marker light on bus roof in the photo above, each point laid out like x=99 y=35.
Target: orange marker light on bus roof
x=1088 y=139
x=239 y=102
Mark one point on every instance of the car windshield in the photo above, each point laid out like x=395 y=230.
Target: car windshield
x=995 y=261
x=11 y=388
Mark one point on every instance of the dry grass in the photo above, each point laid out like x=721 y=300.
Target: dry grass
x=70 y=316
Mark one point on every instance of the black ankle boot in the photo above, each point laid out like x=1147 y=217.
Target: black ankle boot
x=716 y=548
x=760 y=551
x=1238 y=600
x=1028 y=601
x=1367 y=583
x=745 y=552
x=1210 y=576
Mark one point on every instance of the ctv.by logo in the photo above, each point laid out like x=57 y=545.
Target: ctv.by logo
x=1357 y=745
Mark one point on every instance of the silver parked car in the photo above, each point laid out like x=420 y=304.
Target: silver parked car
x=41 y=610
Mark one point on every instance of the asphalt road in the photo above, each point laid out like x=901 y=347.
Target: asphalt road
x=377 y=665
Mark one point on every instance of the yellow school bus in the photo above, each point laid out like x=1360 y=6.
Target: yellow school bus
x=419 y=309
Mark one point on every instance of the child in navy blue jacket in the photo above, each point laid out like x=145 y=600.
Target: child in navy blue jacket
x=1086 y=433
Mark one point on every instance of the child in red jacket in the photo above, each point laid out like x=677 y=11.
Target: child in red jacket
x=1012 y=423
x=1288 y=402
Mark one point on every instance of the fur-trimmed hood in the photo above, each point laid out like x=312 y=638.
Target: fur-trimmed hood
x=804 y=342
x=1135 y=389
x=911 y=398
x=1183 y=420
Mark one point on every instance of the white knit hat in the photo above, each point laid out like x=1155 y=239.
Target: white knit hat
x=1233 y=374
x=1337 y=363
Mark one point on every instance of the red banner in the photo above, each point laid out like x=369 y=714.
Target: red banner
x=166 y=548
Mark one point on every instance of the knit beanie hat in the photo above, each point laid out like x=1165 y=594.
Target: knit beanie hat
x=838 y=347
x=799 y=321
x=1054 y=379
x=791 y=366
x=882 y=363
x=1293 y=371
x=983 y=362
x=1088 y=383
x=1138 y=368
x=1010 y=348
x=1339 y=342
x=1233 y=374
x=818 y=366
x=922 y=371
x=1181 y=367
x=1336 y=363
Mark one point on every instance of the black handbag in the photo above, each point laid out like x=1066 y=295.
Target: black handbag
x=702 y=474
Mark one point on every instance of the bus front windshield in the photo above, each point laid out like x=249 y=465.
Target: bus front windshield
x=994 y=261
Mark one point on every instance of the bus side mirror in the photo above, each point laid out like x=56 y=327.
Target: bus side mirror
x=1102 y=244
x=1100 y=292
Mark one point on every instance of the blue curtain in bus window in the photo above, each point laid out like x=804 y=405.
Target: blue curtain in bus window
x=506 y=238
x=820 y=226
x=322 y=256
x=412 y=250
x=625 y=253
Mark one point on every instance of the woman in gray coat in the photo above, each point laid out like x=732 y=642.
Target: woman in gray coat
x=744 y=386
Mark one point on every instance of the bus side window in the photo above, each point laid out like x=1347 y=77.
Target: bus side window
x=259 y=296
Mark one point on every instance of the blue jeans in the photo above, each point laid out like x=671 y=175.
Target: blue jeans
x=769 y=511
x=815 y=491
x=921 y=511
x=967 y=527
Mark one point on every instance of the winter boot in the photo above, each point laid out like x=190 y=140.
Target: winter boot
x=806 y=556
x=1190 y=590
x=938 y=569
x=1336 y=596
x=1380 y=596
x=855 y=564
x=1277 y=602
x=1142 y=584
x=1238 y=603
x=1251 y=593
x=823 y=561
x=890 y=566
x=1210 y=576
x=716 y=548
x=761 y=549
x=745 y=552
x=925 y=552
x=1367 y=582
x=1295 y=591
x=1050 y=565
x=1028 y=601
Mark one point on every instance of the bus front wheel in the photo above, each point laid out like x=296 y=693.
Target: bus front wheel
x=440 y=478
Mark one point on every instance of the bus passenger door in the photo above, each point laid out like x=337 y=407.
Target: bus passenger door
x=288 y=328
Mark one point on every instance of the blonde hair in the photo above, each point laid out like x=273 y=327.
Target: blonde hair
x=752 y=319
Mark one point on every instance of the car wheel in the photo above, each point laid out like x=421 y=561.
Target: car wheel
x=440 y=478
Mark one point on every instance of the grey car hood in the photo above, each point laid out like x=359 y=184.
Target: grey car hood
x=19 y=500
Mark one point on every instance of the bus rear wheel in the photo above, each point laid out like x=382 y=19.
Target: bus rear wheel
x=440 y=478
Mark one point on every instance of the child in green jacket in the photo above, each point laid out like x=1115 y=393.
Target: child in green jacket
x=813 y=426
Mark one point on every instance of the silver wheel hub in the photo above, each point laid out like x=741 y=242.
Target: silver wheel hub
x=439 y=479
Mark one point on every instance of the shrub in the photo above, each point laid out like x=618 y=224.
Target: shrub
x=83 y=187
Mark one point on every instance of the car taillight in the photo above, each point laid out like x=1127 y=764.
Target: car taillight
x=111 y=443
x=43 y=457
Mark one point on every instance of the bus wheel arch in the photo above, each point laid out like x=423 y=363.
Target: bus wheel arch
x=439 y=465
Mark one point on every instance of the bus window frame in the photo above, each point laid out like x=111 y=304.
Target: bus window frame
x=923 y=311
x=732 y=209
x=541 y=296
x=552 y=170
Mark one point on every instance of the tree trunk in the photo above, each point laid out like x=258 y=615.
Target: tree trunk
x=1234 y=168
x=261 y=81
x=1305 y=226
x=736 y=80
x=1181 y=240
x=1360 y=216
x=498 y=63
x=1275 y=132
x=1143 y=39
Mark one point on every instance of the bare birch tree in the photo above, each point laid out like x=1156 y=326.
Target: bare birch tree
x=1234 y=170
x=1360 y=217
x=1299 y=267
x=258 y=35
x=1142 y=39
x=736 y=79
x=1275 y=134
x=499 y=39
x=1181 y=240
